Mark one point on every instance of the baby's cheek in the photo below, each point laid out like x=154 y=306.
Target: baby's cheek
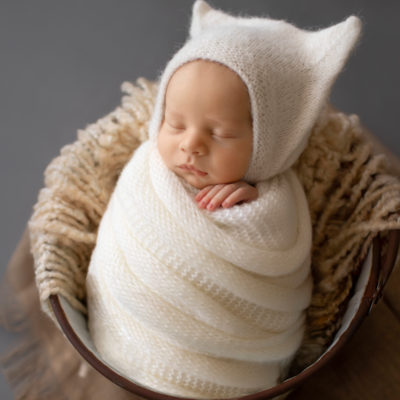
x=234 y=166
x=165 y=148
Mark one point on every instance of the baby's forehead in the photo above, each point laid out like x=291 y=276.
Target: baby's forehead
x=212 y=83
x=203 y=69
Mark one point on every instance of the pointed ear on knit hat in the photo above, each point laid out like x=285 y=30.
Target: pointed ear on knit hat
x=330 y=48
x=326 y=52
x=203 y=16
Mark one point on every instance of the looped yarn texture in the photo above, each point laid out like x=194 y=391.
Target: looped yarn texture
x=288 y=73
x=213 y=301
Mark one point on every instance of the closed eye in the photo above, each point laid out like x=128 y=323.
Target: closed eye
x=176 y=127
x=223 y=135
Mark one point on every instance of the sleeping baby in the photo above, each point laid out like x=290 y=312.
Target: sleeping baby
x=200 y=277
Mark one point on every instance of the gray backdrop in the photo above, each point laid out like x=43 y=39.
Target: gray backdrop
x=62 y=63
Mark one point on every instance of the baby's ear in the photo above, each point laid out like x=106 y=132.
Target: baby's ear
x=329 y=49
x=204 y=16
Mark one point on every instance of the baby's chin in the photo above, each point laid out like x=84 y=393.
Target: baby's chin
x=196 y=182
x=201 y=182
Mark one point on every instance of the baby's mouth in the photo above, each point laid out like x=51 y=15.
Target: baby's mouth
x=191 y=168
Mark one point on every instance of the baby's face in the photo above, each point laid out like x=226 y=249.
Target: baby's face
x=206 y=134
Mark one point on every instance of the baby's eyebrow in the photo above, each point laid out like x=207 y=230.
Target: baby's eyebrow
x=229 y=122
x=173 y=113
x=219 y=120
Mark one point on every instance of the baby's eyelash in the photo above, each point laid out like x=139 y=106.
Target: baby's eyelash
x=222 y=136
x=176 y=127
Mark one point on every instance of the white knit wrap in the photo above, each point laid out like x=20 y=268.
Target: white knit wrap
x=197 y=303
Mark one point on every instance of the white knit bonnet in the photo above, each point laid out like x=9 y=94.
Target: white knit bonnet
x=288 y=72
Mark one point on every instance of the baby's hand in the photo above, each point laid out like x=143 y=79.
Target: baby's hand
x=225 y=195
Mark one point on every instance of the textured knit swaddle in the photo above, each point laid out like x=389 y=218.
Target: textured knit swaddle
x=211 y=304
x=194 y=302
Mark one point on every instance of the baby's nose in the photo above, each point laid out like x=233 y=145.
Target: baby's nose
x=193 y=143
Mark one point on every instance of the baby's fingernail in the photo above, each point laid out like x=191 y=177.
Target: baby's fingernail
x=210 y=207
x=225 y=204
x=202 y=204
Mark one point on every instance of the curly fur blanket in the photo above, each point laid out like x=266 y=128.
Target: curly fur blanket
x=351 y=193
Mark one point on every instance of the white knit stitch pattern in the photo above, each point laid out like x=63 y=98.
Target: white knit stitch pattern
x=165 y=293
x=288 y=72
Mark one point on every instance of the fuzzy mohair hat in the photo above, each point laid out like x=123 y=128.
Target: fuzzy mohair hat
x=288 y=72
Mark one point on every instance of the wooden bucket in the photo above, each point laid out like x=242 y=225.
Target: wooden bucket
x=375 y=271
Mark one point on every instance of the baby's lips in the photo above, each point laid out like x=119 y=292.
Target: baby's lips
x=192 y=168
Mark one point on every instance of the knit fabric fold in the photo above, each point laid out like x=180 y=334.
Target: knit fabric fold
x=197 y=303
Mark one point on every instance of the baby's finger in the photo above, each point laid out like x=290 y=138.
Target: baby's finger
x=220 y=196
x=211 y=193
x=240 y=194
x=203 y=192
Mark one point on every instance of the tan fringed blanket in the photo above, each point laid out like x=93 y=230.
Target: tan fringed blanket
x=351 y=194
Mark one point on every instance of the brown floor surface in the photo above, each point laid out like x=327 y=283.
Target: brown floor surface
x=368 y=367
